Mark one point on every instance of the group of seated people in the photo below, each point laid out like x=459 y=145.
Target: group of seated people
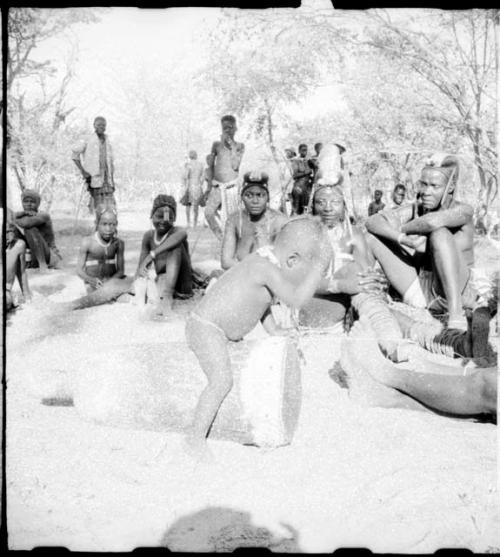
x=310 y=264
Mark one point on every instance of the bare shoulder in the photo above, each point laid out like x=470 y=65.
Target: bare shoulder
x=464 y=208
x=278 y=217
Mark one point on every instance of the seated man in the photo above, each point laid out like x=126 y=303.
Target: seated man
x=253 y=226
x=37 y=230
x=165 y=250
x=426 y=249
x=15 y=263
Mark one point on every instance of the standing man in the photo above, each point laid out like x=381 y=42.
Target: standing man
x=224 y=165
x=376 y=205
x=94 y=158
x=313 y=161
x=301 y=181
x=193 y=186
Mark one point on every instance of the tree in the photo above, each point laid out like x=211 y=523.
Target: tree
x=455 y=55
x=36 y=95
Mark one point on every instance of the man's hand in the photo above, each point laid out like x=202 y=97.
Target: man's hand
x=415 y=241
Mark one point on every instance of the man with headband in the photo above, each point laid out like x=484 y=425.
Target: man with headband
x=36 y=228
x=94 y=158
x=426 y=248
x=253 y=226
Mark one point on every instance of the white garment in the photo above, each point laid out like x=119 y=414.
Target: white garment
x=87 y=151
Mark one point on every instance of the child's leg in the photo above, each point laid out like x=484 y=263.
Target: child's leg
x=188 y=215
x=108 y=292
x=213 y=203
x=210 y=347
x=195 y=214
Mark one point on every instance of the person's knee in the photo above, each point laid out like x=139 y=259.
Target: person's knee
x=438 y=236
x=222 y=385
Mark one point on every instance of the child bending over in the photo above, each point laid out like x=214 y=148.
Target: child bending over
x=289 y=271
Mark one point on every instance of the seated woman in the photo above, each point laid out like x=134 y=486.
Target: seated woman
x=350 y=271
x=37 y=231
x=253 y=226
x=165 y=251
x=15 y=263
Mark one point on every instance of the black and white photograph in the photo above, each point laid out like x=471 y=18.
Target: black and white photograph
x=251 y=263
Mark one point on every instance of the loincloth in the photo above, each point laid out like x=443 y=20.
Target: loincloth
x=422 y=293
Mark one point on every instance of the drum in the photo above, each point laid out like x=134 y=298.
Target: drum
x=157 y=386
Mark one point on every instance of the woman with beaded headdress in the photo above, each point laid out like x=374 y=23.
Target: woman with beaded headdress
x=349 y=272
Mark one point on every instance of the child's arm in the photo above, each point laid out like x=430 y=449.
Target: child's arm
x=236 y=156
x=174 y=239
x=80 y=264
x=141 y=265
x=229 y=243
x=292 y=296
x=120 y=260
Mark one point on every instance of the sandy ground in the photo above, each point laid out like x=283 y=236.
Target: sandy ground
x=389 y=480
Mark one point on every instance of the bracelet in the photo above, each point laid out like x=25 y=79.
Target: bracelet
x=152 y=254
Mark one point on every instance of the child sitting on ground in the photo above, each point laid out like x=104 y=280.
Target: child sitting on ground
x=289 y=271
x=15 y=260
x=101 y=255
x=101 y=264
x=164 y=256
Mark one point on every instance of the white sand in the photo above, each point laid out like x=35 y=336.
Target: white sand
x=389 y=480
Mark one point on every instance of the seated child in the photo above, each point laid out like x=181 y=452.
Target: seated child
x=253 y=226
x=101 y=263
x=15 y=262
x=165 y=255
x=38 y=232
x=289 y=271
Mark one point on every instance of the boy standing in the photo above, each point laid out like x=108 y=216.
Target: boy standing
x=376 y=205
x=290 y=271
x=193 y=186
x=301 y=181
x=224 y=166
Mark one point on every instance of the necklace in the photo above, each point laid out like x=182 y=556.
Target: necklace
x=155 y=237
x=102 y=243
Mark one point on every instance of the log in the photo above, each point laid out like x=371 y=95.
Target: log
x=156 y=387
